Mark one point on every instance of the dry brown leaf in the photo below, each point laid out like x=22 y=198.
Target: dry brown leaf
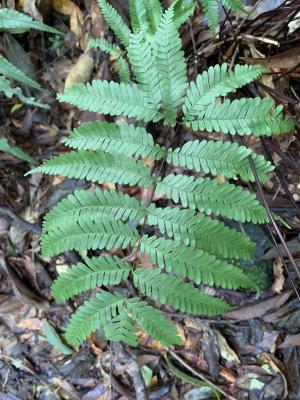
x=65 y=7
x=284 y=61
x=290 y=341
x=32 y=324
x=29 y=7
x=293 y=245
x=278 y=276
x=81 y=71
x=258 y=309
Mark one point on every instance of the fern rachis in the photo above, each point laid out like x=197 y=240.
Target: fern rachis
x=194 y=247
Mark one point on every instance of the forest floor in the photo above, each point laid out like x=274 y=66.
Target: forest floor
x=251 y=353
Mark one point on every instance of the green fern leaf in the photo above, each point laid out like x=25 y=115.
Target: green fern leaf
x=93 y=314
x=16 y=22
x=154 y=13
x=85 y=204
x=122 y=329
x=197 y=265
x=15 y=151
x=145 y=69
x=106 y=47
x=171 y=65
x=217 y=81
x=8 y=69
x=115 y=22
x=209 y=196
x=9 y=91
x=211 y=11
x=98 y=167
x=115 y=139
x=96 y=272
x=235 y=5
x=243 y=117
x=124 y=71
x=153 y=322
x=183 y=9
x=138 y=16
x=168 y=289
x=105 y=233
x=220 y=158
x=110 y=98
x=201 y=232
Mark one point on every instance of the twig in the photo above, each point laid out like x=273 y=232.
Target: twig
x=201 y=376
x=130 y=359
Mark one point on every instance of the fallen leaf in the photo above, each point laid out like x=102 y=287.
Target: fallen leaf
x=67 y=7
x=283 y=61
x=293 y=245
x=81 y=71
x=278 y=275
x=290 y=341
x=32 y=324
x=258 y=309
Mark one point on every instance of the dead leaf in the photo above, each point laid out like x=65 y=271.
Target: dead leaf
x=81 y=71
x=284 y=61
x=258 y=309
x=29 y=7
x=32 y=324
x=293 y=245
x=290 y=341
x=278 y=275
x=67 y=7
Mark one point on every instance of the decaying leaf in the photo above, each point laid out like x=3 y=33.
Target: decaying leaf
x=82 y=70
x=278 y=276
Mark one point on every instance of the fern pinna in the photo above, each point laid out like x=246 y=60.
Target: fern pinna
x=195 y=247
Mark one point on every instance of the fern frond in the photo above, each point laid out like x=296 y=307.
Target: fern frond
x=115 y=139
x=98 y=167
x=138 y=16
x=106 y=47
x=9 y=70
x=201 y=232
x=115 y=22
x=93 y=314
x=96 y=272
x=171 y=65
x=15 y=151
x=243 y=117
x=183 y=9
x=83 y=204
x=16 y=22
x=153 y=322
x=235 y=5
x=110 y=98
x=211 y=11
x=145 y=69
x=123 y=70
x=122 y=329
x=209 y=196
x=220 y=158
x=217 y=81
x=197 y=265
x=154 y=13
x=105 y=233
x=168 y=289
x=9 y=91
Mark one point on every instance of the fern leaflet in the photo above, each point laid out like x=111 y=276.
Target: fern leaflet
x=84 y=204
x=115 y=21
x=110 y=98
x=171 y=65
x=145 y=69
x=96 y=272
x=15 y=151
x=138 y=16
x=220 y=158
x=197 y=265
x=210 y=196
x=106 y=47
x=115 y=139
x=217 y=81
x=154 y=13
x=122 y=329
x=98 y=167
x=168 y=289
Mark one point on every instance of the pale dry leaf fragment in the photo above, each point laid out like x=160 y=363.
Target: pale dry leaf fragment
x=81 y=72
x=278 y=276
x=68 y=7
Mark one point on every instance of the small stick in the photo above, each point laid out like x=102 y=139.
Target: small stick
x=201 y=376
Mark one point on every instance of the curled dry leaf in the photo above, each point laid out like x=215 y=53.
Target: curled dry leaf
x=278 y=276
x=81 y=71
x=68 y=7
